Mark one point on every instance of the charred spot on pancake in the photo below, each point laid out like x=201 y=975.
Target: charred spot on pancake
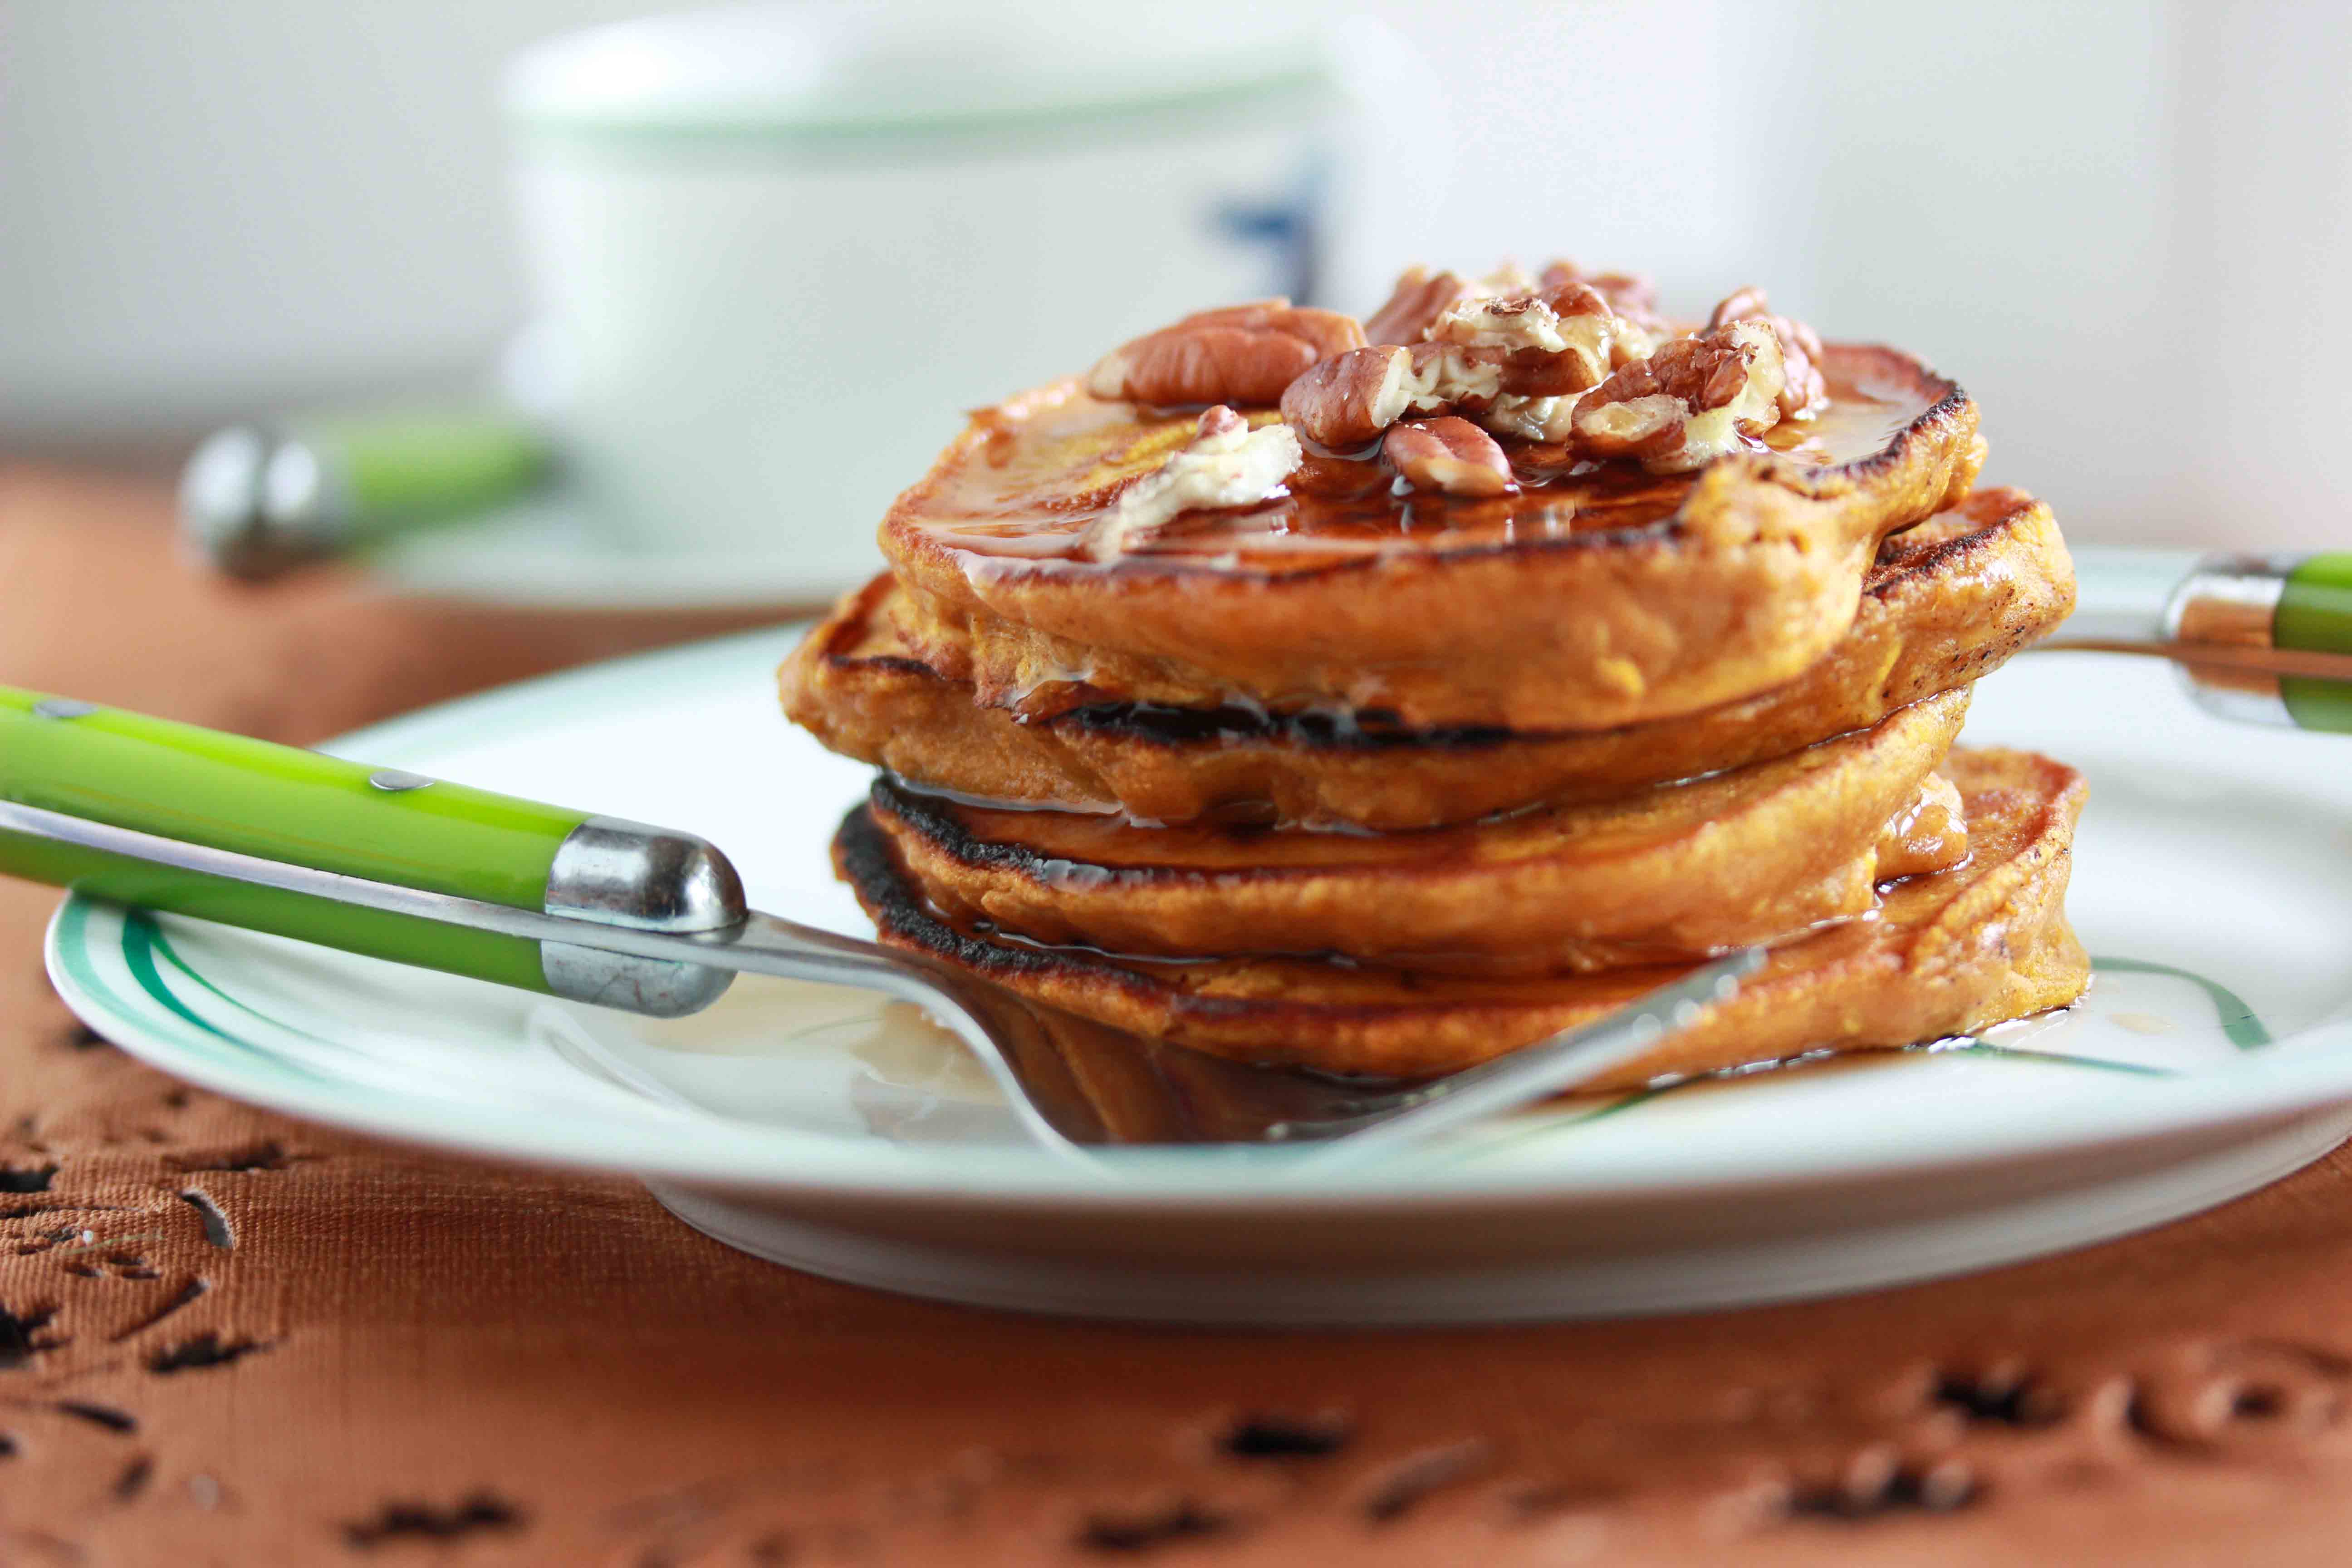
x=1165 y=724
x=1985 y=941
x=934 y=819
x=863 y=857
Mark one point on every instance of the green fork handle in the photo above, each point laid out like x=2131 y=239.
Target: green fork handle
x=229 y=793
x=2315 y=616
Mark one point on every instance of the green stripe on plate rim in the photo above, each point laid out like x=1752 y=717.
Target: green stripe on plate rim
x=143 y=939
x=2243 y=1027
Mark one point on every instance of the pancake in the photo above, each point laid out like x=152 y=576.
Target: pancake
x=1944 y=604
x=1761 y=854
x=1946 y=953
x=1595 y=595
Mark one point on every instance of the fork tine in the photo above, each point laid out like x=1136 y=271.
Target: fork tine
x=1565 y=1059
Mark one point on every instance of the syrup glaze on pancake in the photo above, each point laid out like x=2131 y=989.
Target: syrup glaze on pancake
x=1758 y=854
x=1944 y=604
x=1946 y=952
x=1055 y=461
x=1598 y=597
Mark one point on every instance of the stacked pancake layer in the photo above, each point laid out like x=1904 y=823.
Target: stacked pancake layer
x=1385 y=775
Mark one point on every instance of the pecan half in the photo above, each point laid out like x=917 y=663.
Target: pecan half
x=1241 y=353
x=1417 y=300
x=1628 y=293
x=1226 y=463
x=1804 y=393
x=1344 y=402
x=1692 y=401
x=1559 y=341
x=1448 y=454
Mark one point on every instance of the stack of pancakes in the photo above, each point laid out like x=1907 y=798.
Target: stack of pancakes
x=1392 y=770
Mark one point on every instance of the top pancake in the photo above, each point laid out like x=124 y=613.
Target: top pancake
x=1598 y=595
x=1945 y=602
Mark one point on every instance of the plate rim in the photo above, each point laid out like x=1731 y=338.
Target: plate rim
x=1229 y=1179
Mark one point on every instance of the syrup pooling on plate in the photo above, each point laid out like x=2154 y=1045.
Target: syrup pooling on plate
x=1050 y=465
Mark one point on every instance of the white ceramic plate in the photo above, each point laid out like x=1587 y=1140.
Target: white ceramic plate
x=814 y=1127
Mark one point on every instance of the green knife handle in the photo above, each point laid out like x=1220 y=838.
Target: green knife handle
x=230 y=793
x=403 y=938
x=2315 y=616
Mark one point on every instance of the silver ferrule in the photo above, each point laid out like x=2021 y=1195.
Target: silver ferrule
x=625 y=873
x=2228 y=599
x=2231 y=601
x=254 y=502
x=621 y=873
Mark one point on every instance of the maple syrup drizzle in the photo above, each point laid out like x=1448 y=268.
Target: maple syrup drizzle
x=1051 y=464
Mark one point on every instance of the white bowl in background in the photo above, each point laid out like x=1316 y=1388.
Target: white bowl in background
x=777 y=249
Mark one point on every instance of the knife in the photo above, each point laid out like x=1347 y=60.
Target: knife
x=2259 y=639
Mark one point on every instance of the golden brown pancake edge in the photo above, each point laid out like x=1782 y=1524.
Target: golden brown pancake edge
x=1948 y=953
x=1757 y=854
x=1757 y=572
x=1944 y=604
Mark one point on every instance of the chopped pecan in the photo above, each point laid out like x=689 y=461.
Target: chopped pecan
x=1628 y=293
x=1803 y=392
x=1449 y=455
x=1241 y=353
x=1510 y=277
x=1226 y=463
x=1344 y=402
x=1690 y=401
x=1533 y=418
x=1418 y=300
x=1559 y=341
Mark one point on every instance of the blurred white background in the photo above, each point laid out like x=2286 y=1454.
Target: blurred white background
x=2127 y=228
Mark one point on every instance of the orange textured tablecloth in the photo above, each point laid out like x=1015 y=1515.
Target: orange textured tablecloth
x=228 y=1338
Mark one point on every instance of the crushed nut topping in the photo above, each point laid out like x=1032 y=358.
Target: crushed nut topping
x=1226 y=463
x=1803 y=395
x=1448 y=454
x=1559 y=341
x=1568 y=358
x=1239 y=354
x=1344 y=403
x=1501 y=348
x=1629 y=293
x=1544 y=419
x=1692 y=401
x=1418 y=300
